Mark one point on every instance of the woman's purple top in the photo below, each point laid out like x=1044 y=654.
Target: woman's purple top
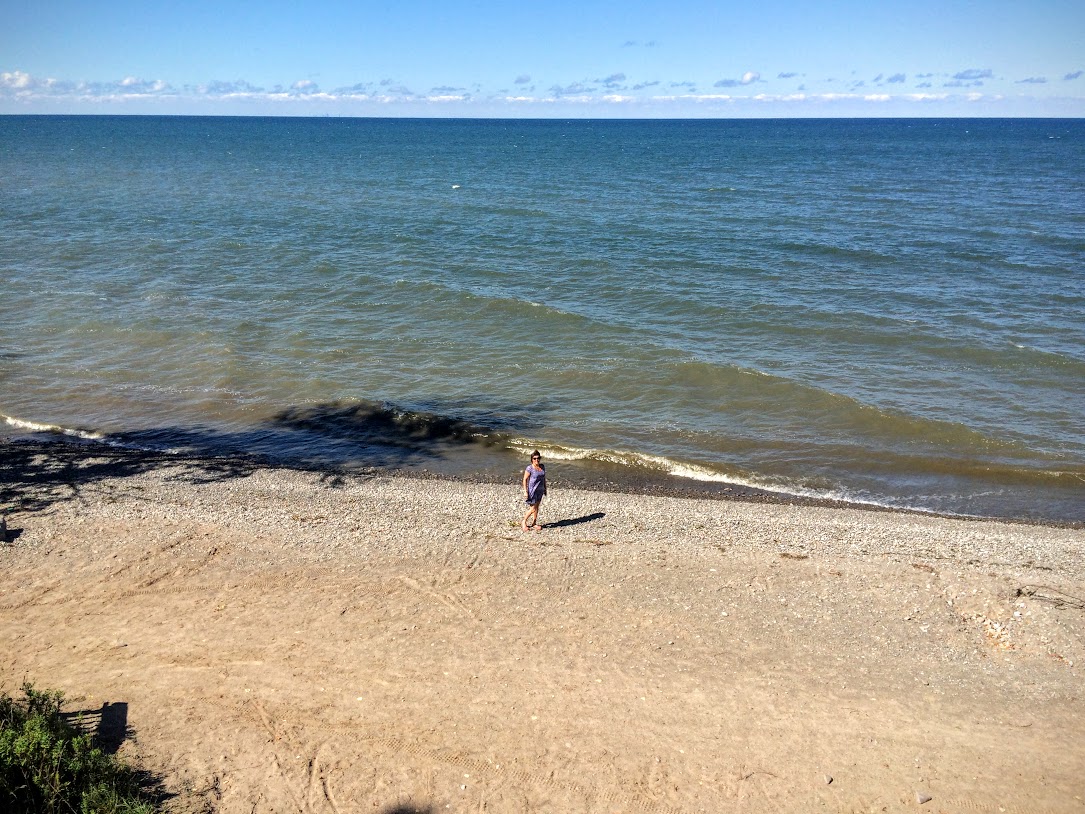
x=536 y=483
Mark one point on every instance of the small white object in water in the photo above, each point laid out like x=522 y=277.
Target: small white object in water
x=455 y=186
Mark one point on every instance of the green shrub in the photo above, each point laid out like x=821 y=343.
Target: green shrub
x=48 y=767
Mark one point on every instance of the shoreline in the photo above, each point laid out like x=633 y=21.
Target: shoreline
x=69 y=452
x=269 y=639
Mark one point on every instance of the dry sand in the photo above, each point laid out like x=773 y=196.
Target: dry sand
x=275 y=641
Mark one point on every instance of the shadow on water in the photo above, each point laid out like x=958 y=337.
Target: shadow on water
x=333 y=439
x=390 y=434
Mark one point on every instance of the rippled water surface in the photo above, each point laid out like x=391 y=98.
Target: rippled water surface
x=881 y=310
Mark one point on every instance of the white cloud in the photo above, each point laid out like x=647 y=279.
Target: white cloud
x=133 y=85
x=356 y=88
x=29 y=88
x=574 y=89
x=15 y=79
x=606 y=96
x=975 y=75
x=747 y=78
x=226 y=88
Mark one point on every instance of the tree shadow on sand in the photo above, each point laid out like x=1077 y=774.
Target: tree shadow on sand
x=333 y=438
x=37 y=475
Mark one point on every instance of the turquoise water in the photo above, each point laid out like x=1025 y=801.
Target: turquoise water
x=890 y=311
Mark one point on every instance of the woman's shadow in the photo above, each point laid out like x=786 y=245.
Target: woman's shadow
x=574 y=521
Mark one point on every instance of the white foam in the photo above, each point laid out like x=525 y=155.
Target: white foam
x=86 y=435
x=637 y=459
x=33 y=426
x=696 y=472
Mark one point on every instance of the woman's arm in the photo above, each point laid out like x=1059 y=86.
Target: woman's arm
x=524 y=484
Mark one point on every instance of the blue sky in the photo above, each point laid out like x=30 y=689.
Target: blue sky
x=684 y=58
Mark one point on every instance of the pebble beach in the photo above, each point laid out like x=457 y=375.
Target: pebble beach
x=302 y=640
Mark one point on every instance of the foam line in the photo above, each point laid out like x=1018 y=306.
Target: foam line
x=696 y=472
x=33 y=426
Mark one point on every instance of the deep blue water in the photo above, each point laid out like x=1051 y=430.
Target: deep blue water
x=881 y=310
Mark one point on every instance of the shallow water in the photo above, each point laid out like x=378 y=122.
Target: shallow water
x=882 y=310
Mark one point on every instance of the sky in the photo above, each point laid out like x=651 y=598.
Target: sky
x=564 y=59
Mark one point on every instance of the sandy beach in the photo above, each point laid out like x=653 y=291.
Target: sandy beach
x=269 y=640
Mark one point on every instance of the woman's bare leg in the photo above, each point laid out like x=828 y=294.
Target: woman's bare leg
x=530 y=516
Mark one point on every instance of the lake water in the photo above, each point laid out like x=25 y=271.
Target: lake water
x=885 y=311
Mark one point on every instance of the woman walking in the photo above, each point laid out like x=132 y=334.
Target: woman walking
x=534 y=484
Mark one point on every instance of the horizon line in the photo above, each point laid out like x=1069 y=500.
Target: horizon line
x=887 y=117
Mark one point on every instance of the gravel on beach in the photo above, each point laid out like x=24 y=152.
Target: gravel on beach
x=269 y=630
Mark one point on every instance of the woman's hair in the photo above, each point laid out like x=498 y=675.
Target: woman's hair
x=536 y=454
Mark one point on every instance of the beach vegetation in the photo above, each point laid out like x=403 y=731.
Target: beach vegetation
x=49 y=766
